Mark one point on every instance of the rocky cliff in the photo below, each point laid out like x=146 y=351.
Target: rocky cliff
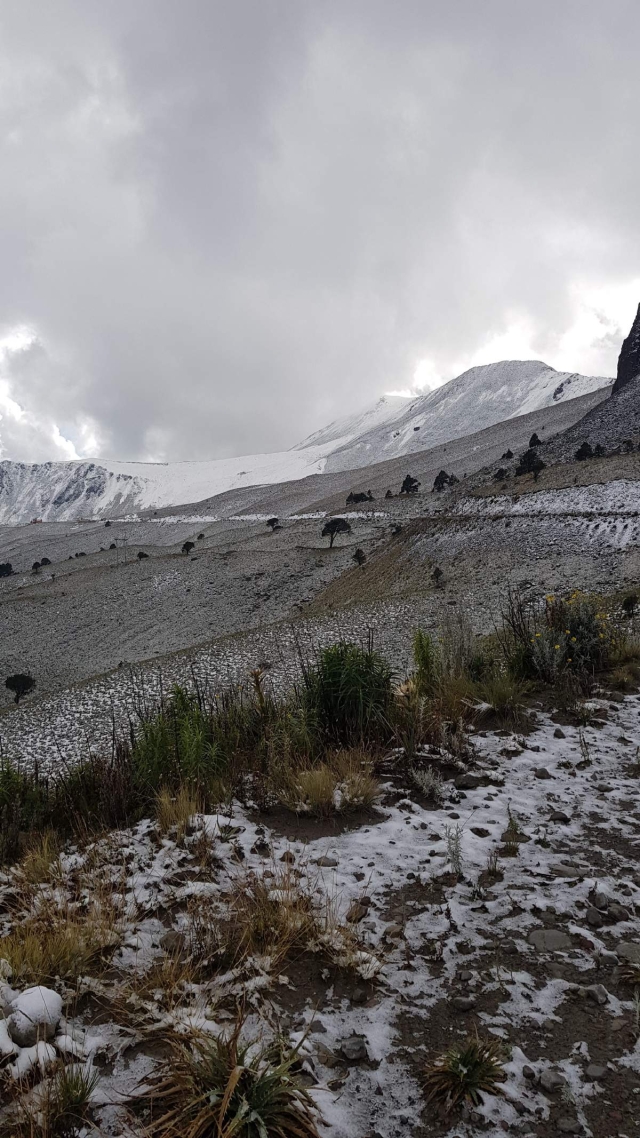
x=629 y=358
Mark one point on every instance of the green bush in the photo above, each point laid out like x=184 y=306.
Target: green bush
x=425 y=658
x=348 y=693
x=574 y=634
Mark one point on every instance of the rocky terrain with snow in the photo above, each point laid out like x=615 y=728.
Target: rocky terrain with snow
x=508 y=905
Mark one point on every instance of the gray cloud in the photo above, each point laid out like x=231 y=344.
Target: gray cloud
x=229 y=223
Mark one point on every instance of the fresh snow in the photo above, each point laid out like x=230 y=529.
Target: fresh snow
x=393 y=427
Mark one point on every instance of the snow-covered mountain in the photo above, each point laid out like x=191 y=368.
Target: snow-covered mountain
x=392 y=427
x=480 y=397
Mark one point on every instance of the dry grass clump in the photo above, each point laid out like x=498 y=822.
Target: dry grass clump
x=61 y=941
x=343 y=783
x=270 y=916
x=501 y=694
x=231 y=1089
x=41 y=861
x=175 y=811
x=465 y=1072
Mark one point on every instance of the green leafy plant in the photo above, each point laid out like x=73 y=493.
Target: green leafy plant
x=348 y=691
x=465 y=1072
x=228 y=1089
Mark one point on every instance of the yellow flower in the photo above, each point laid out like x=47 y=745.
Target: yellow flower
x=573 y=639
x=538 y=633
x=557 y=646
x=568 y=659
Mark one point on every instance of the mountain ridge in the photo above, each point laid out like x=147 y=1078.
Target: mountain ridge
x=391 y=428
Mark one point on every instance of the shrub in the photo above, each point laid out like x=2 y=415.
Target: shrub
x=45 y=561
x=188 y=546
x=35 y=568
x=443 y=479
x=20 y=684
x=530 y=463
x=534 y=441
x=272 y=523
x=360 y=557
x=508 y=454
x=342 y=784
x=502 y=694
x=629 y=605
x=142 y=556
x=574 y=634
x=348 y=691
x=465 y=1072
x=437 y=576
x=224 y=1087
x=6 y=569
x=583 y=452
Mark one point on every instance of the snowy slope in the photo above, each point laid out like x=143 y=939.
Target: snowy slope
x=480 y=397
x=67 y=490
x=392 y=427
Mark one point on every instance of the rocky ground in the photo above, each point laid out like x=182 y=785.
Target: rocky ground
x=511 y=908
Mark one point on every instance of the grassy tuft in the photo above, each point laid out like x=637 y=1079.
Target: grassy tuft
x=231 y=1089
x=348 y=692
x=465 y=1072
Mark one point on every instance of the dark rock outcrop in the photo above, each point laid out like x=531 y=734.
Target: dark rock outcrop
x=629 y=358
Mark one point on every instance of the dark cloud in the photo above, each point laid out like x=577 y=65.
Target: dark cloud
x=226 y=224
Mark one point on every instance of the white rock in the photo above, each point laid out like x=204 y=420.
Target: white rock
x=7 y=1046
x=35 y=1015
x=41 y=1055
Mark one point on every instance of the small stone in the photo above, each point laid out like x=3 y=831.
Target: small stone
x=288 y=857
x=559 y=733
x=549 y=940
x=359 y=875
x=528 y=1073
x=354 y=1049
x=173 y=942
x=595 y=1071
x=629 y=951
x=392 y=931
x=463 y=1003
x=600 y=899
x=607 y=959
x=35 y=1015
x=328 y=863
x=542 y=772
x=327 y=1057
x=560 y=816
x=480 y=831
x=357 y=912
x=617 y=912
x=561 y=869
x=552 y=1080
x=594 y=918
x=470 y=781
x=465 y=975
x=358 y=996
x=569 y=1126
x=598 y=994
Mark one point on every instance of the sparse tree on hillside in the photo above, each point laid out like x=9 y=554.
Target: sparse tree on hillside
x=200 y=537
x=500 y=474
x=35 y=568
x=583 y=452
x=142 y=556
x=443 y=479
x=20 y=684
x=333 y=527
x=534 y=441
x=188 y=546
x=389 y=494
x=627 y=446
x=45 y=561
x=410 y=485
x=272 y=523
x=508 y=454
x=437 y=576
x=113 y=545
x=6 y=569
x=530 y=463
x=107 y=524
x=599 y=450
x=360 y=557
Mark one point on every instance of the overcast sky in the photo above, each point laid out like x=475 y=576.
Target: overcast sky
x=223 y=224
